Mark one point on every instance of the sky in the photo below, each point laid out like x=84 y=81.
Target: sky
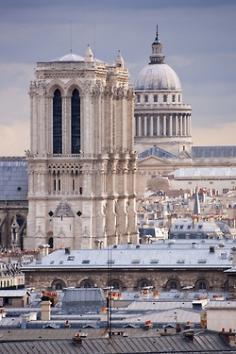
x=198 y=38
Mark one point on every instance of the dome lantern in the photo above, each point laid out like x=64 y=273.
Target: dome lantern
x=157 y=57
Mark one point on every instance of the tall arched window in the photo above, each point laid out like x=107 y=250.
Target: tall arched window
x=75 y=122
x=57 y=122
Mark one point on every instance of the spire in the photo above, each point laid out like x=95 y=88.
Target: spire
x=157 y=57
x=157 y=35
x=119 y=60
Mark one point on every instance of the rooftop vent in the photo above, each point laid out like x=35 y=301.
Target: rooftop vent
x=110 y=261
x=223 y=255
x=67 y=250
x=180 y=261
x=85 y=261
x=135 y=261
x=71 y=258
x=154 y=261
x=202 y=261
x=115 y=246
x=211 y=249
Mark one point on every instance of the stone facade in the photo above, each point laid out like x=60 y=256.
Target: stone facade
x=131 y=279
x=93 y=188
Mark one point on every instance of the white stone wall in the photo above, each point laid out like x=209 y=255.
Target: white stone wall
x=98 y=183
x=219 y=318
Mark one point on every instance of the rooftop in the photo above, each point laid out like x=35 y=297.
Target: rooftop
x=60 y=341
x=167 y=254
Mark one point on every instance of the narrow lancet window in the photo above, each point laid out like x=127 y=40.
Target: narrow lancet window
x=75 y=122
x=57 y=122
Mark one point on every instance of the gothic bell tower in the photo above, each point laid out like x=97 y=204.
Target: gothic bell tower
x=82 y=167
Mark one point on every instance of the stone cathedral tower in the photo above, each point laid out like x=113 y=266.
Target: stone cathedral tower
x=81 y=164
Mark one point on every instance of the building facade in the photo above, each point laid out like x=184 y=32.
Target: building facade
x=81 y=163
x=165 y=265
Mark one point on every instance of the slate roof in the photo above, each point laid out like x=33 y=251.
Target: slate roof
x=213 y=151
x=13 y=178
x=202 y=343
x=197 y=152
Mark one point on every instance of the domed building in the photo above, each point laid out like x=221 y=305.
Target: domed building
x=161 y=117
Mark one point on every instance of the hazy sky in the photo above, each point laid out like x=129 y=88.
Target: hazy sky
x=198 y=38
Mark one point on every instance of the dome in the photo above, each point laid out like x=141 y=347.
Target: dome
x=157 y=77
x=71 y=57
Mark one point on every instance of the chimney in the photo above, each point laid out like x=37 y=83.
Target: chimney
x=67 y=250
x=43 y=250
x=46 y=310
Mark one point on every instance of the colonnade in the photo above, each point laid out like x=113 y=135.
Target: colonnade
x=163 y=125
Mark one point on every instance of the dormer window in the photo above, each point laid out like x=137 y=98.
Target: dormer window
x=138 y=98
x=155 y=98
x=146 y=98
x=165 y=98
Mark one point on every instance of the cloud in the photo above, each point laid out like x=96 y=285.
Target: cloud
x=14 y=138
x=210 y=135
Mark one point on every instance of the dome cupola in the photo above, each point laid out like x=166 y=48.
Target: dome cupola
x=157 y=75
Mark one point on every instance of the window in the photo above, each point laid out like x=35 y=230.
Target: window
x=59 y=184
x=201 y=285
x=146 y=98
x=179 y=98
x=138 y=98
x=86 y=283
x=181 y=227
x=75 y=122
x=80 y=190
x=54 y=185
x=173 y=98
x=73 y=184
x=164 y=98
x=155 y=98
x=57 y=122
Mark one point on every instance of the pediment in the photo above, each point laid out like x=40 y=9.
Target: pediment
x=153 y=161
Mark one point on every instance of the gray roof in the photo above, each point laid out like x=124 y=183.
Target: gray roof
x=202 y=343
x=213 y=151
x=13 y=178
x=160 y=255
x=13 y=293
x=197 y=152
x=83 y=295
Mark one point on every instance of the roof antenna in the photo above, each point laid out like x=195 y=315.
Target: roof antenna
x=70 y=37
